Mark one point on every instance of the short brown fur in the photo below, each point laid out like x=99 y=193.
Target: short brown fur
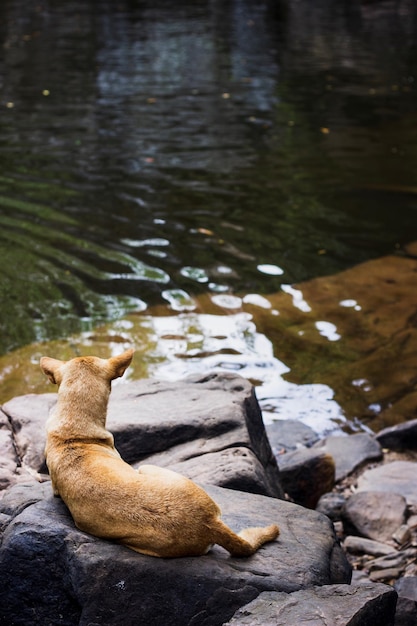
x=152 y=510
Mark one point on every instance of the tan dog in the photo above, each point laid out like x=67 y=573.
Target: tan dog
x=152 y=510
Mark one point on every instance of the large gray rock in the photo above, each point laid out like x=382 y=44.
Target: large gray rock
x=52 y=573
x=209 y=428
x=335 y=605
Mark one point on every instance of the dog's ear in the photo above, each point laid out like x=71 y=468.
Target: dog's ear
x=52 y=368
x=119 y=364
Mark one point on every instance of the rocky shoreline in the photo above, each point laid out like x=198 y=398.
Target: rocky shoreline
x=372 y=501
x=210 y=428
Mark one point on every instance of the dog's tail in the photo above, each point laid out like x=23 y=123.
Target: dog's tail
x=245 y=543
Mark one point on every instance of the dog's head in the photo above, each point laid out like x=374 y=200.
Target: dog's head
x=111 y=368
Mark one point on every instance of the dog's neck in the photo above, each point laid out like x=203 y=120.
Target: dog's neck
x=81 y=410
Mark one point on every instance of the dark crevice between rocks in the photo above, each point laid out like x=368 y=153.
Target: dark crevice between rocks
x=13 y=431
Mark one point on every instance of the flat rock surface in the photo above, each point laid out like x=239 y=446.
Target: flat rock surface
x=91 y=581
x=335 y=605
x=396 y=477
x=196 y=424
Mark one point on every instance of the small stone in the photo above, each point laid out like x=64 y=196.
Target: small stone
x=368 y=546
x=412 y=522
x=386 y=574
x=402 y=535
x=331 y=504
x=395 y=559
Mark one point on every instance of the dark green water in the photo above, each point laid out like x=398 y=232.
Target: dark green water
x=150 y=147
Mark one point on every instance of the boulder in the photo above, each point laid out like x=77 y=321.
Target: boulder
x=306 y=474
x=374 y=515
x=335 y=605
x=396 y=477
x=351 y=452
x=53 y=573
x=209 y=428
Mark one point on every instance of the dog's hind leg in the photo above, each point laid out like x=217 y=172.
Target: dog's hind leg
x=245 y=543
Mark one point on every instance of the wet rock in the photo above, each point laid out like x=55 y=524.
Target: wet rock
x=400 y=437
x=306 y=474
x=374 y=515
x=91 y=581
x=331 y=504
x=396 y=477
x=287 y=435
x=196 y=424
x=351 y=452
x=334 y=605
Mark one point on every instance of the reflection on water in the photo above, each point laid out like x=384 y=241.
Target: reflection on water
x=150 y=154
x=170 y=347
x=206 y=343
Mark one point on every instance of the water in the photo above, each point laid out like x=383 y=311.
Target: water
x=151 y=154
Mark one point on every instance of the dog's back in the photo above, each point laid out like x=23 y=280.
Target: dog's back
x=153 y=510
